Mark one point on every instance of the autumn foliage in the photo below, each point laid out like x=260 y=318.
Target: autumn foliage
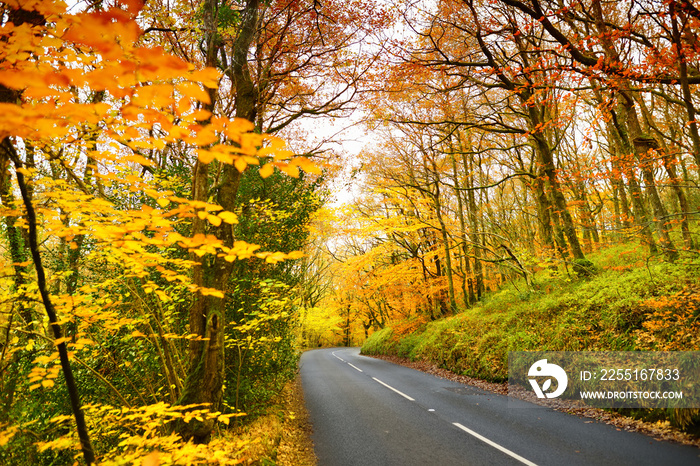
x=101 y=237
x=162 y=246
x=512 y=143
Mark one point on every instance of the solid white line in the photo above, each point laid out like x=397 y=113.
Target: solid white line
x=392 y=388
x=355 y=367
x=495 y=445
x=333 y=353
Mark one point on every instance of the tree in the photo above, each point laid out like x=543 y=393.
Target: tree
x=280 y=62
x=83 y=116
x=515 y=137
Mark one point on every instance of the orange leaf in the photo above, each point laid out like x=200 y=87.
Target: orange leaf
x=266 y=170
x=240 y=164
x=307 y=165
x=290 y=170
x=194 y=91
x=209 y=77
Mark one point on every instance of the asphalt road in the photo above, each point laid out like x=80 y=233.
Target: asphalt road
x=366 y=412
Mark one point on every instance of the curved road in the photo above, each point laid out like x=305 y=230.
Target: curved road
x=367 y=411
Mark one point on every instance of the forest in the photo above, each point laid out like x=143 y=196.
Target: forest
x=183 y=210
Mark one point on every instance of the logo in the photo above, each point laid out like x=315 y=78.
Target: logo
x=542 y=368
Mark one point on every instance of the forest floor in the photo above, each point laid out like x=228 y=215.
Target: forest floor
x=661 y=430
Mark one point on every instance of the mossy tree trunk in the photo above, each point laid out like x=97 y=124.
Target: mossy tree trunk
x=206 y=374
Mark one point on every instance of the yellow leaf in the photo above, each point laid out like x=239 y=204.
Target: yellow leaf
x=47 y=383
x=290 y=170
x=163 y=202
x=228 y=217
x=138 y=158
x=7 y=433
x=211 y=292
x=214 y=220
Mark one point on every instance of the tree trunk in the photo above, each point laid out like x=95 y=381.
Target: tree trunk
x=685 y=86
x=669 y=163
x=635 y=140
x=205 y=379
x=446 y=247
x=544 y=218
x=474 y=220
x=547 y=160
x=641 y=218
x=467 y=282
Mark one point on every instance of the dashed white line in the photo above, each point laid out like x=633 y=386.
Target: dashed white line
x=393 y=389
x=456 y=424
x=494 y=445
x=355 y=367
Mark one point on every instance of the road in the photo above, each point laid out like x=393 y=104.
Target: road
x=367 y=411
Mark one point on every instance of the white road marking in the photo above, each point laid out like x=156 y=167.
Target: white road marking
x=494 y=445
x=393 y=389
x=456 y=424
